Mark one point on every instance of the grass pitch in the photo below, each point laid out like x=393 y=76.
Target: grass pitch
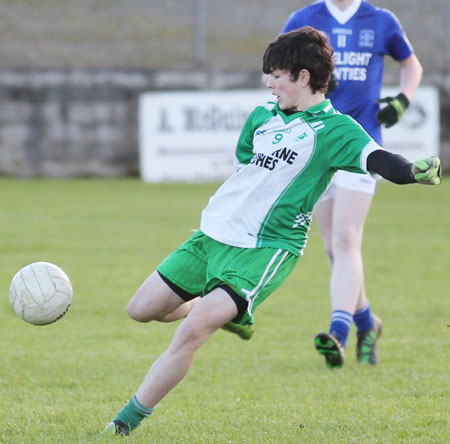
x=63 y=382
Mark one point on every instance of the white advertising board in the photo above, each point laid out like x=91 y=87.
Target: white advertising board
x=191 y=136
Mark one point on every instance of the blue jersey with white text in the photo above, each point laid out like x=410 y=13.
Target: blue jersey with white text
x=360 y=45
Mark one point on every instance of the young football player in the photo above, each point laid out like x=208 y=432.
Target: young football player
x=254 y=228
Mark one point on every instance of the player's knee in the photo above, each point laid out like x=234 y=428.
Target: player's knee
x=143 y=310
x=146 y=309
x=189 y=335
x=136 y=313
x=346 y=241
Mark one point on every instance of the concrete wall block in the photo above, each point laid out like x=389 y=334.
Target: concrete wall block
x=55 y=131
x=13 y=137
x=82 y=112
x=12 y=112
x=51 y=113
x=12 y=154
x=96 y=112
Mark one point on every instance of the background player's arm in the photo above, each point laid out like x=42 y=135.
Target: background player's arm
x=410 y=77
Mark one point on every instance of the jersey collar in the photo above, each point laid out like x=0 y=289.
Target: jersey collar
x=322 y=107
x=345 y=15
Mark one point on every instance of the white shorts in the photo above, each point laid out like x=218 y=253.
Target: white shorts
x=364 y=183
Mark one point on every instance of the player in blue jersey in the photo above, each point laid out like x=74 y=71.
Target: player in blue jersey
x=361 y=36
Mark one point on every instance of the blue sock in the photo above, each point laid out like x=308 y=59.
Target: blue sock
x=363 y=318
x=133 y=413
x=340 y=325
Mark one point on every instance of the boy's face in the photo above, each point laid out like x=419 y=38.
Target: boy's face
x=287 y=91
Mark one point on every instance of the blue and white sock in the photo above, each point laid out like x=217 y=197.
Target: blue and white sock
x=363 y=318
x=340 y=325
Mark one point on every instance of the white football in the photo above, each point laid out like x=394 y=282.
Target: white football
x=40 y=293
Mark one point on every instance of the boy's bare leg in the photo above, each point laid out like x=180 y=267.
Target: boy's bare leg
x=208 y=315
x=156 y=301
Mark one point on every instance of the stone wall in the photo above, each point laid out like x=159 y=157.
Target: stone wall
x=84 y=123
x=65 y=124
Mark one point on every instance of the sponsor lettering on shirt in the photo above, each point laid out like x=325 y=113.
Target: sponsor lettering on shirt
x=351 y=65
x=270 y=161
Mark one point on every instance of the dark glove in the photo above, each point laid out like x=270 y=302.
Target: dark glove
x=393 y=111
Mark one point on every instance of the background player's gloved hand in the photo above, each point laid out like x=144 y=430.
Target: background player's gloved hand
x=393 y=111
x=427 y=171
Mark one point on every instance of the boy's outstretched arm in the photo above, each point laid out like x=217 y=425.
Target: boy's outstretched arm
x=399 y=170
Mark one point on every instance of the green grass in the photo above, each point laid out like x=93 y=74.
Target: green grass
x=63 y=382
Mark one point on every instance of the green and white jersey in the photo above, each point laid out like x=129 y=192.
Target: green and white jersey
x=285 y=163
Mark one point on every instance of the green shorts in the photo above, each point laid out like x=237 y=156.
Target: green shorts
x=201 y=264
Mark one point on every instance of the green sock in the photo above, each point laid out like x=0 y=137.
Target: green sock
x=133 y=413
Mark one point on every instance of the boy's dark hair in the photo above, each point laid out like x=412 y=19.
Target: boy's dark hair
x=305 y=48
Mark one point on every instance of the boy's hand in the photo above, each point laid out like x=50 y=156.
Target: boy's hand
x=394 y=110
x=427 y=171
